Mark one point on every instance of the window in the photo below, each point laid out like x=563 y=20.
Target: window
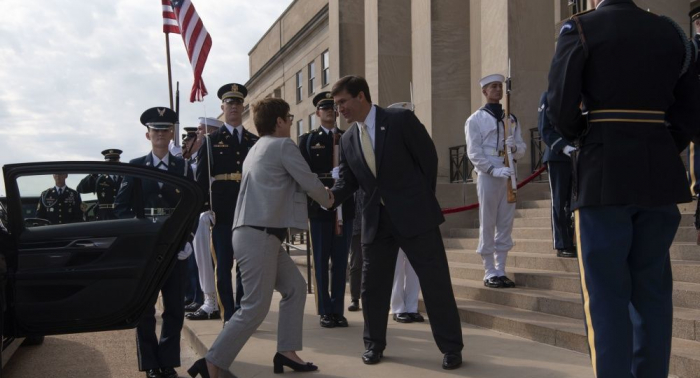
x=278 y=93
x=299 y=86
x=300 y=127
x=325 y=66
x=312 y=78
x=312 y=123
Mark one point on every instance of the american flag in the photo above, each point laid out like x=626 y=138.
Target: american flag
x=182 y=18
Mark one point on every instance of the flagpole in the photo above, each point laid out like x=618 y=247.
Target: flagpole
x=170 y=74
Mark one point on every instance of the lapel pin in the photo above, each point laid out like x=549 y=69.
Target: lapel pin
x=381 y=128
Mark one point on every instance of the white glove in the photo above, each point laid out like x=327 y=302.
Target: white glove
x=502 y=172
x=568 y=150
x=186 y=252
x=335 y=173
x=208 y=217
x=510 y=142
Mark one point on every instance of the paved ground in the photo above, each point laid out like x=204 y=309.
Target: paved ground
x=89 y=355
x=411 y=351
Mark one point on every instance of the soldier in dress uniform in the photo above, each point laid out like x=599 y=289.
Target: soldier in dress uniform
x=104 y=186
x=202 y=247
x=628 y=174
x=158 y=358
x=693 y=153
x=557 y=156
x=229 y=147
x=193 y=291
x=486 y=150
x=60 y=204
x=317 y=149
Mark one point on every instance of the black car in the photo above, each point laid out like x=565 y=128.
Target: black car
x=49 y=273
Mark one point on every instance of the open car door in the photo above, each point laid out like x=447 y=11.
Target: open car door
x=90 y=275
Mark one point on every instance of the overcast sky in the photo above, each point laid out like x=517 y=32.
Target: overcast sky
x=75 y=76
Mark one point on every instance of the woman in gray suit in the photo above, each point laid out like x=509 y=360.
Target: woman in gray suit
x=276 y=180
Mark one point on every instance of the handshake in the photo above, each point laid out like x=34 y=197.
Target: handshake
x=331 y=200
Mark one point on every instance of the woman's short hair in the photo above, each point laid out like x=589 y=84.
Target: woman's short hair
x=266 y=112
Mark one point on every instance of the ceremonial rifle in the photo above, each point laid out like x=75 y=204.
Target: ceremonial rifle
x=512 y=180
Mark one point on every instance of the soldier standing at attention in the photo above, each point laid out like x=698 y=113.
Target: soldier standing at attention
x=158 y=357
x=60 y=204
x=229 y=147
x=330 y=250
x=104 y=186
x=628 y=174
x=486 y=150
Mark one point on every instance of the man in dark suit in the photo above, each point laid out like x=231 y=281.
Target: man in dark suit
x=557 y=156
x=229 y=147
x=60 y=204
x=389 y=154
x=330 y=249
x=628 y=174
x=104 y=186
x=158 y=358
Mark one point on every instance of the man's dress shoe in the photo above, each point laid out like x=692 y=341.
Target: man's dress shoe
x=340 y=320
x=327 y=321
x=506 y=281
x=416 y=317
x=192 y=307
x=203 y=315
x=153 y=373
x=493 y=282
x=371 y=356
x=403 y=318
x=168 y=373
x=566 y=253
x=451 y=360
x=354 y=306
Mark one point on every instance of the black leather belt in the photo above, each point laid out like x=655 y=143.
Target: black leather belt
x=626 y=115
x=279 y=233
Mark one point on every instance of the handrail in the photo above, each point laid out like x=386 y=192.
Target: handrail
x=452 y=210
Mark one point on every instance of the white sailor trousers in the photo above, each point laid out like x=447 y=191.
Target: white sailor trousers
x=495 y=222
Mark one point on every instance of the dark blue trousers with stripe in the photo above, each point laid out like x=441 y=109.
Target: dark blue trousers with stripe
x=330 y=254
x=627 y=287
x=560 y=188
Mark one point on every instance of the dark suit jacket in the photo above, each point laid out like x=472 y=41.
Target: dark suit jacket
x=554 y=142
x=598 y=60
x=406 y=175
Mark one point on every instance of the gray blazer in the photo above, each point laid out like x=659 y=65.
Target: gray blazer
x=276 y=180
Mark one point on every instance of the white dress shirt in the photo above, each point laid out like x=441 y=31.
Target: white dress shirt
x=239 y=128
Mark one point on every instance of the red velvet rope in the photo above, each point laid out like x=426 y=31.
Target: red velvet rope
x=527 y=180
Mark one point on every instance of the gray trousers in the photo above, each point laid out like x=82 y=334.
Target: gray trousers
x=265 y=267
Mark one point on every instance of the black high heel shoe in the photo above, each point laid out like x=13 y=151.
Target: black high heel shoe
x=199 y=368
x=280 y=360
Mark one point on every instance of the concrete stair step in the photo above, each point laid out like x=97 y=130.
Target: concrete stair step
x=685 y=294
x=686 y=322
x=560 y=331
x=546 y=222
x=684 y=234
x=683 y=270
x=546 y=204
x=679 y=250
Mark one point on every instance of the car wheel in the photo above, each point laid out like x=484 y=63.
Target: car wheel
x=33 y=340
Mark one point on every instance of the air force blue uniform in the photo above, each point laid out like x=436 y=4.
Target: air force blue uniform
x=559 y=170
x=152 y=352
x=628 y=174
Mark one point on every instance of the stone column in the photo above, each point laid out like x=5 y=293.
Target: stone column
x=388 y=50
x=441 y=72
x=346 y=25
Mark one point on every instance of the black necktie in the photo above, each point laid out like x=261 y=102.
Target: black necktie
x=235 y=136
x=60 y=191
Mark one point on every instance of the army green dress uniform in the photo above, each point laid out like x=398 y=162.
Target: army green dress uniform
x=60 y=206
x=104 y=186
x=229 y=148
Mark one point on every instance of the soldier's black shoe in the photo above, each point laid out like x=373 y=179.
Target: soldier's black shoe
x=371 y=356
x=168 y=373
x=416 y=317
x=402 y=318
x=340 y=320
x=192 y=307
x=153 y=373
x=354 y=306
x=203 y=315
x=452 y=360
x=494 y=282
x=327 y=321
x=566 y=253
x=506 y=281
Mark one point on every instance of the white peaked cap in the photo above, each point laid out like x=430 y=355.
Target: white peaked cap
x=209 y=121
x=490 y=79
